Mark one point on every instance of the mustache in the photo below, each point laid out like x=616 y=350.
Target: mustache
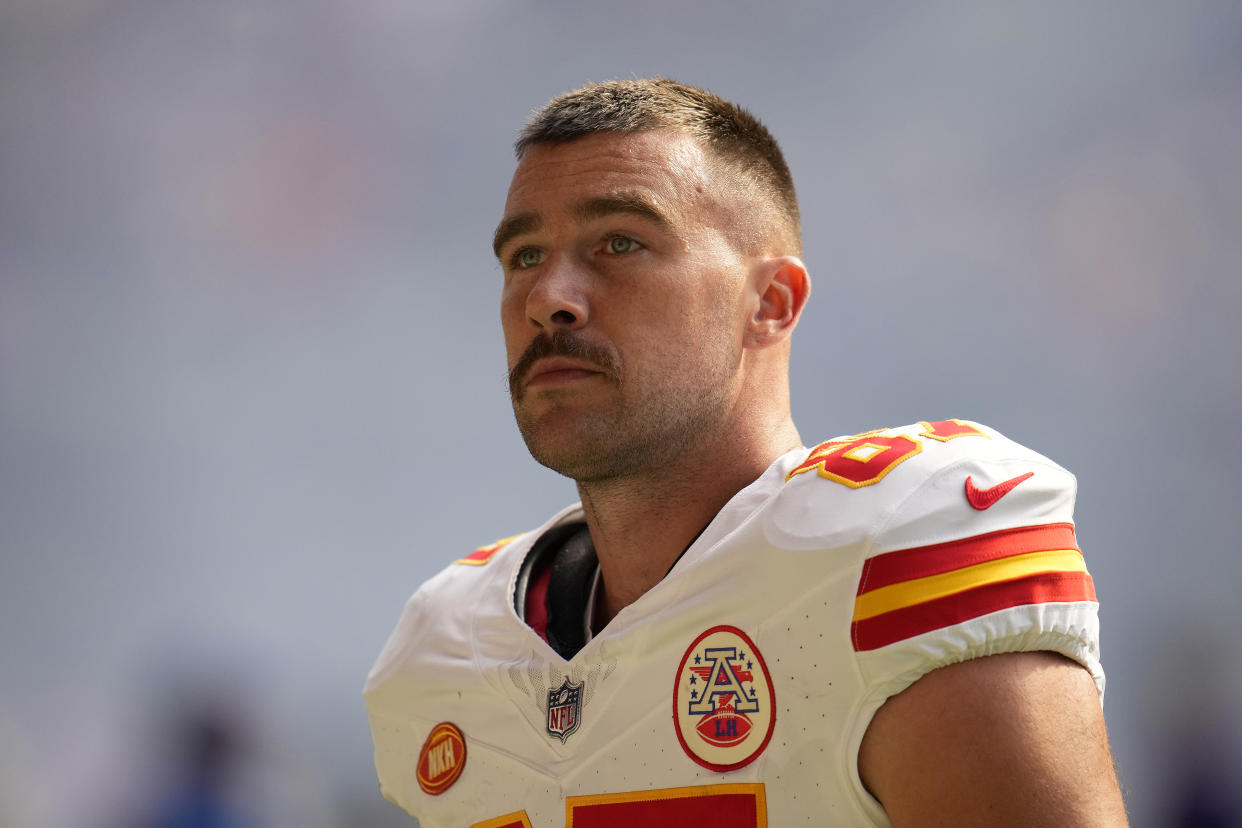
x=561 y=343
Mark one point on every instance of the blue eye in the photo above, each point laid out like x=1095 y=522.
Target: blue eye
x=527 y=257
x=622 y=244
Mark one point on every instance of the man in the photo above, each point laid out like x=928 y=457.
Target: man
x=730 y=629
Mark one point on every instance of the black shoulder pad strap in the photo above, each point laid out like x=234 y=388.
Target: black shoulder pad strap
x=572 y=574
x=569 y=590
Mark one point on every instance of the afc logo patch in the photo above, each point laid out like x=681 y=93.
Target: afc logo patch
x=724 y=706
x=564 y=709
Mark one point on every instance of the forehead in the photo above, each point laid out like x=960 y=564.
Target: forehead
x=666 y=167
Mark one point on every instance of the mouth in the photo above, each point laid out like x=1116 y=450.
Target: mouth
x=560 y=360
x=555 y=372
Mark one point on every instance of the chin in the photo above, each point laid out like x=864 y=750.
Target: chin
x=574 y=456
x=563 y=457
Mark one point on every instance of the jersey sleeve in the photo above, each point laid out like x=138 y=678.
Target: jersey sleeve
x=429 y=633
x=427 y=672
x=979 y=559
x=941 y=542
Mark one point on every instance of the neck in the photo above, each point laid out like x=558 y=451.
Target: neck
x=641 y=524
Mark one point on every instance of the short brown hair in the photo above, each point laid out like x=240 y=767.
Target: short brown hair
x=734 y=135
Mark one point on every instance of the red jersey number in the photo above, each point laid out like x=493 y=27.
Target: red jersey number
x=720 y=806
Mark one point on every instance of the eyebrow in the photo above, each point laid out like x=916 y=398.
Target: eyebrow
x=588 y=210
x=515 y=225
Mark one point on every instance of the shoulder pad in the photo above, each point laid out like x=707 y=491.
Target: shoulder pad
x=909 y=485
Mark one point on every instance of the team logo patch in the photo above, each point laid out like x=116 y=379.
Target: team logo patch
x=442 y=759
x=564 y=709
x=724 y=707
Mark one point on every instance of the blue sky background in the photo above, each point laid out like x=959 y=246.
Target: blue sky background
x=252 y=381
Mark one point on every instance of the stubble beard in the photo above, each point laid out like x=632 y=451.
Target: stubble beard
x=628 y=438
x=620 y=442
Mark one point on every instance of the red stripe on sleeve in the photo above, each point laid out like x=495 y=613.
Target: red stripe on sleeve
x=919 y=562
x=1043 y=588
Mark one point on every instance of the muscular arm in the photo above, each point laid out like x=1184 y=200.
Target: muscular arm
x=1015 y=740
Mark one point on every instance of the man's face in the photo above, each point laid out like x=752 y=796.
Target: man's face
x=624 y=301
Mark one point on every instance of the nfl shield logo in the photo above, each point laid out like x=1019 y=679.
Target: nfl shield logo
x=564 y=709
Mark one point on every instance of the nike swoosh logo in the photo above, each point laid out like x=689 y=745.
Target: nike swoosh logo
x=985 y=498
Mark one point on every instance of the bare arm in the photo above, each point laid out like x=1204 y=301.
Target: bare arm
x=1015 y=740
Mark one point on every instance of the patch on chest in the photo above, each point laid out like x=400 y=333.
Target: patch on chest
x=442 y=759
x=564 y=709
x=724 y=705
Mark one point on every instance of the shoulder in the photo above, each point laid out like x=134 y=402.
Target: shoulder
x=928 y=482
x=959 y=543
x=486 y=571
x=912 y=452
x=961 y=539
x=439 y=615
x=485 y=565
x=474 y=591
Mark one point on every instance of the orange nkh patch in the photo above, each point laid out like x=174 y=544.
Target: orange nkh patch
x=442 y=759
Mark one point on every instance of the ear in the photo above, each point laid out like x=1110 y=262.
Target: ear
x=783 y=286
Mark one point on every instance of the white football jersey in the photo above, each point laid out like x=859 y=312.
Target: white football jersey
x=735 y=693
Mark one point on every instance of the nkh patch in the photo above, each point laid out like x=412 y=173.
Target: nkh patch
x=564 y=709
x=442 y=759
x=724 y=705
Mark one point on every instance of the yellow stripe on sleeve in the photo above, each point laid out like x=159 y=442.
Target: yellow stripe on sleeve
x=908 y=593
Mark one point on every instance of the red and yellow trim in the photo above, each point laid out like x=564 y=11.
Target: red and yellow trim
x=913 y=591
x=517 y=819
x=865 y=459
x=484 y=554
x=859 y=461
x=946 y=430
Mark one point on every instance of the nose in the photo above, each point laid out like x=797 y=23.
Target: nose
x=558 y=297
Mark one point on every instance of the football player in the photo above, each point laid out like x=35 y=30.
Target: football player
x=730 y=628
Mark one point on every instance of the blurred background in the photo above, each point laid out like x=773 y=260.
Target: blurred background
x=252 y=382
